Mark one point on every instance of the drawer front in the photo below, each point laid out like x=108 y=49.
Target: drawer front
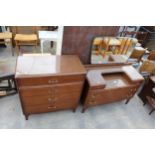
x=110 y=95
x=49 y=108
x=51 y=90
x=51 y=80
x=58 y=99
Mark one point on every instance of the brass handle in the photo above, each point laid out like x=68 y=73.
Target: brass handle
x=55 y=81
x=49 y=81
x=52 y=100
x=93 y=96
x=51 y=107
x=52 y=81
x=49 y=99
x=92 y=102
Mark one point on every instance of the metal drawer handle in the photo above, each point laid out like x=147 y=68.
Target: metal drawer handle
x=49 y=99
x=92 y=102
x=55 y=81
x=52 y=81
x=51 y=107
x=93 y=96
x=49 y=81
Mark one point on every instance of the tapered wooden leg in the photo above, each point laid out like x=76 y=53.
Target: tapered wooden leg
x=18 y=48
x=74 y=109
x=83 y=109
x=26 y=117
x=127 y=101
x=151 y=111
x=144 y=103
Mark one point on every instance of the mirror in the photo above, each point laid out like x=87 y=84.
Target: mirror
x=107 y=50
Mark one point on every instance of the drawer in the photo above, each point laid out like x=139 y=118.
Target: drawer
x=102 y=96
x=51 y=80
x=49 y=108
x=57 y=99
x=49 y=90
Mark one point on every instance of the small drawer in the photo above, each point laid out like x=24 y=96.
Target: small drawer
x=51 y=90
x=49 y=108
x=102 y=96
x=51 y=80
x=50 y=99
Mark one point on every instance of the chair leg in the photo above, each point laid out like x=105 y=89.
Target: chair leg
x=151 y=111
x=17 y=47
x=84 y=109
x=11 y=47
x=36 y=46
x=144 y=103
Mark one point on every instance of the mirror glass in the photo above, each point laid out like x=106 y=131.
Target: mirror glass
x=111 y=49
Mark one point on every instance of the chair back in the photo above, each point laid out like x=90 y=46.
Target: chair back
x=26 y=30
x=148 y=66
x=137 y=54
x=152 y=56
x=127 y=44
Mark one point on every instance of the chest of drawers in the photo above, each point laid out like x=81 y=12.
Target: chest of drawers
x=49 y=83
x=110 y=84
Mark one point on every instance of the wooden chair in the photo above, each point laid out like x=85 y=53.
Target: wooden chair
x=137 y=54
x=151 y=56
x=25 y=39
x=141 y=36
x=5 y=36
x=111 y=45
x=97 y=45
x=147 y=69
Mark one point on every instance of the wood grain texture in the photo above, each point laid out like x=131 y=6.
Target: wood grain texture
x=40 y=93
x=110 y=84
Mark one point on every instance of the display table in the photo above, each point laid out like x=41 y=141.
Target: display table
x=49 y=83
x=110 y=84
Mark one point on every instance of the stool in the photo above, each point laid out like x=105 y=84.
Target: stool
x=5 y=36
x=10 y=89
x=7 y=73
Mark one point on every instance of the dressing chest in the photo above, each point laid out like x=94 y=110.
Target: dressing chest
x=49 y=83
x=110 y=84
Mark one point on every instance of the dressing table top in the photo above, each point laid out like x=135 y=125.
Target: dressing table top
x=96 y=77
x=47 y=64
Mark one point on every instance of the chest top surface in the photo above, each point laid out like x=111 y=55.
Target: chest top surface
x=46 y=65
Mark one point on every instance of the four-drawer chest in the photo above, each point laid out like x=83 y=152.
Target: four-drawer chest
x=49 y=83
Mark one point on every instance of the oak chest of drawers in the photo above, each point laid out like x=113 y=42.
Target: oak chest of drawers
x=110 y=84
x=49 y=83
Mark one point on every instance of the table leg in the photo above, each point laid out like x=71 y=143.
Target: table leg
x=42 y=45
x=11 y=46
